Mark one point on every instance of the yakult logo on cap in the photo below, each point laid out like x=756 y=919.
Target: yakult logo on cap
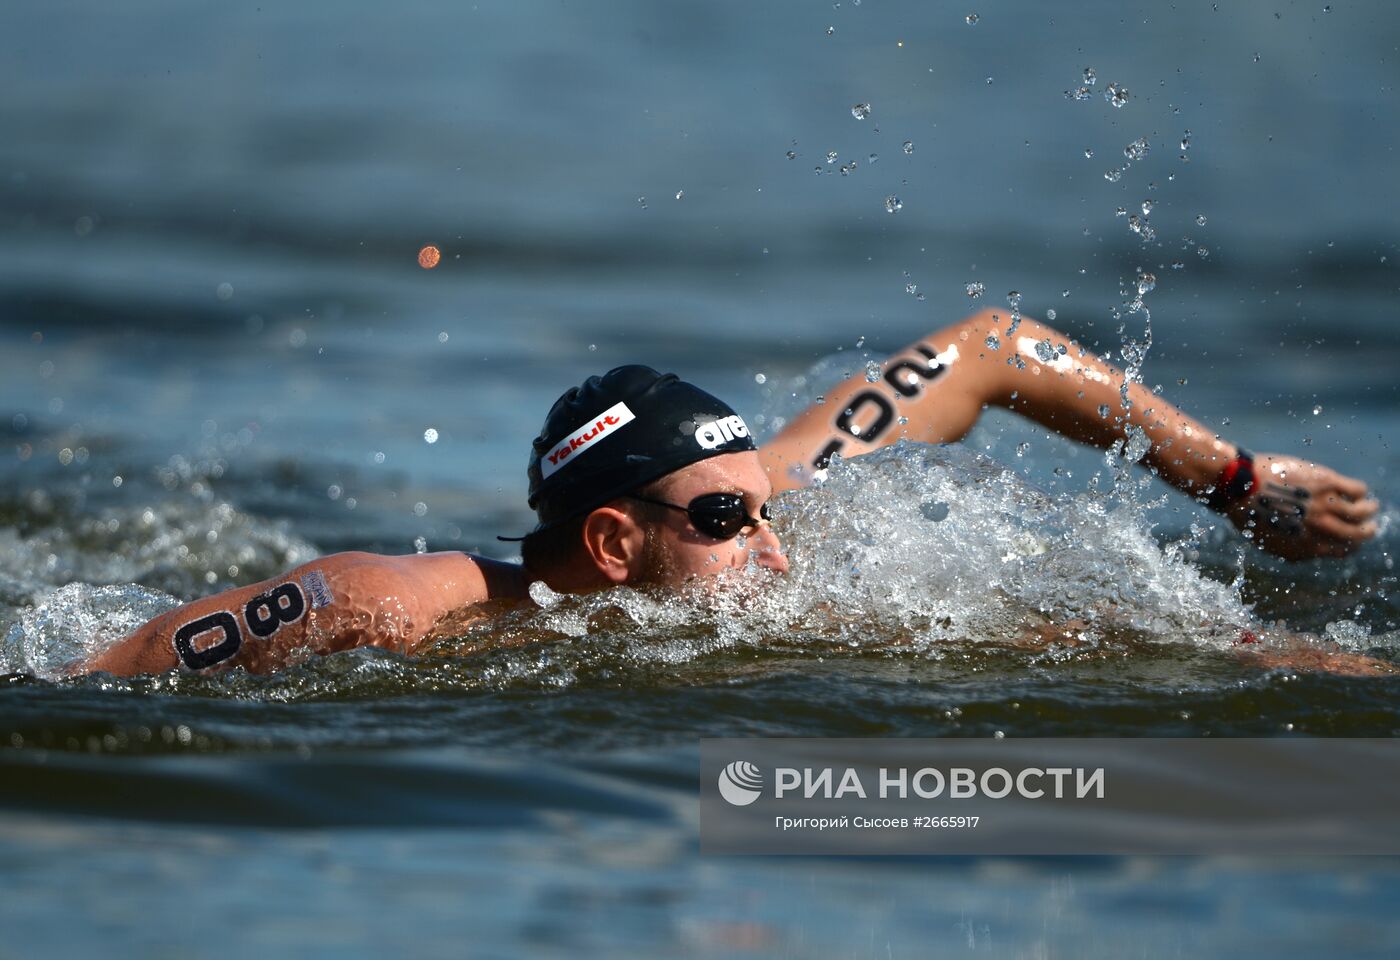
x=576 y=443
x=712 y=434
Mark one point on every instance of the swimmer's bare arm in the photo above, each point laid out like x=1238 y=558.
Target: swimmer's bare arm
x=337 y=602
x=939 y=386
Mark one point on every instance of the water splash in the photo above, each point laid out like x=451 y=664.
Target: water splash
x=897 y=553
x=75 y=622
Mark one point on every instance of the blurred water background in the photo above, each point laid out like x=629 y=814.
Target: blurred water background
x=220 y=358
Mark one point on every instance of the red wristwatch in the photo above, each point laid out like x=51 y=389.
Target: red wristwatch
x=1236 y=481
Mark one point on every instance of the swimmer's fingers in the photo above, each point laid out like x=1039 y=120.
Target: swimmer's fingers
x=1352 y=511
x=1346 y=534
x=1348 y=487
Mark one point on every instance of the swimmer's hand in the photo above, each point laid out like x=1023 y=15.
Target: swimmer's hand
x=1299 y=510
x=1309 y=659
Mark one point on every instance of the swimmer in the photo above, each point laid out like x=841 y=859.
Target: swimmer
x=642 y=478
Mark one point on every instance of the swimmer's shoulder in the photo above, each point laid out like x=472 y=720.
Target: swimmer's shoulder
x=452 y=579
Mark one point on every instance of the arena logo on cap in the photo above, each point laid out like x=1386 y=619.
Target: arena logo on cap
x=712 y=434
x=577 y=442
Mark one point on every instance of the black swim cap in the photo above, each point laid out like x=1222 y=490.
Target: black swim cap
x=616 y=432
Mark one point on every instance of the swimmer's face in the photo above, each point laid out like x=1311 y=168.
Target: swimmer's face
x=678 y=552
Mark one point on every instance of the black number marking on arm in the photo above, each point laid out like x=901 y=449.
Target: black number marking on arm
x=905 y=387
x=219 y=652
x=266 y=612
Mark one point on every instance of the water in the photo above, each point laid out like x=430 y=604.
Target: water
x=211 y=299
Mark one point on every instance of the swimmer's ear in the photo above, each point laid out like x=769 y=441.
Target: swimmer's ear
x=614 y=542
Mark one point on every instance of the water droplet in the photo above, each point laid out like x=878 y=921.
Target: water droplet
x=872 y=371
x=1327 y=8
x=1022 y=449
x=592 y=348
x=1202 y=252
x=1064 y=293
x=1044 y=351
x=379 y=456
x=1121 y=212
x=908 y=147
x=420 y=544
x=874 y=158
x=1141 y=227
x=430 y=435
x=1201 y=220
x=1014 y=298
x=1088 y=153
x=860 y=111
x=1103 y=410
x=831 y=156
x=860 y=342
x=1090 y=77
x=792 y=154
x=1178 y=265
x=223 y=291
x=830 y=31
x=1317 y=410
x=989 y=81
x=975 y=289
x=760 y=378
x=1116 y=95
x=893 y=204
x=679 y=194
x=1136 y=150
x=420 y=508
x=1113 y=176
x=1079 y=93
x=1186 y=141
x=1051 y=314
x=642 y=201
x=1146 y=284
x=1147 y=206
x=972 y=18
x=993 y=341
x=911 y=288
x=442 y=337
x=1256 y=58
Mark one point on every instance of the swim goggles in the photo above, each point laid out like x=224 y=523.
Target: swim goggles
x=718 y=515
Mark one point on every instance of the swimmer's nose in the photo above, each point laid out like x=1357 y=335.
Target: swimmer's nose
x=768 y=550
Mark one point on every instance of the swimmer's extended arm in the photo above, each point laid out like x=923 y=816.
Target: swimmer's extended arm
x=935 y=389
x=337 y=602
